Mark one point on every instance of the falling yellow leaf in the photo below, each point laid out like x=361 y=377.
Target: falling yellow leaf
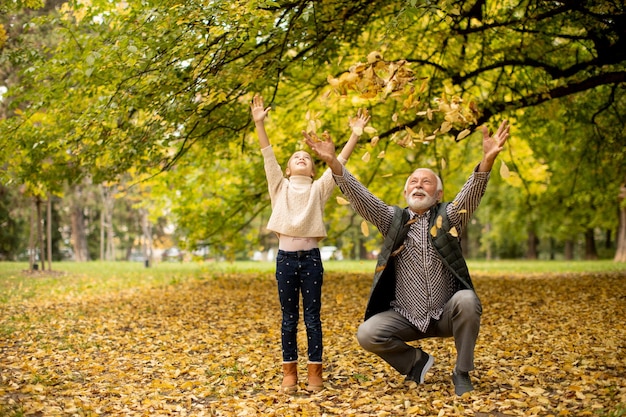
x=381 y=155
x=366 y=157
x=374 y=141
x=365 y=228
x=439 y=222
x=370 y=130
x=453 y=232
x=463 y=134
x=342 y=201
x=433 y=231
x=504 y=170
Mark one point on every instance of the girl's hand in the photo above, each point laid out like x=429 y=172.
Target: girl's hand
x=259 y=113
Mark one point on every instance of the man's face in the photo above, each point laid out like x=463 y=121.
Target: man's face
x=300 y=163
x=421 y=191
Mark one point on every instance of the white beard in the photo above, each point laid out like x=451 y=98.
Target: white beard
x=420 y=204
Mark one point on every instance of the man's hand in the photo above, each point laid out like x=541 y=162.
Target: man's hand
x=360 y=121
x=325 y=150
x=259 y=112
x=492 y=145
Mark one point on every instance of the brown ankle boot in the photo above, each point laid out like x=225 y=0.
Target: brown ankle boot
x=315 y=377
x=290 y=377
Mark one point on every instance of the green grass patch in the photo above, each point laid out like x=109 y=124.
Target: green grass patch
x=70 y=279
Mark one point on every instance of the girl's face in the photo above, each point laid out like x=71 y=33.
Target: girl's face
x=300 y=163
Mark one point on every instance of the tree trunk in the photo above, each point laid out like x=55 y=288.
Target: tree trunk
x=49 y=231
x=569 y=250
x=590 y=245
x=79 y=237
x=620 y=253
x=40 y=236
x=107 y=244
x=146 y=228
x=533 y=243
x=32 y=249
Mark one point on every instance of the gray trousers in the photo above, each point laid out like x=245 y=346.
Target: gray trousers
x=386 y=333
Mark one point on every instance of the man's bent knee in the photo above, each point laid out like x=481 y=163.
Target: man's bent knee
x=467 y=302
x=365 y=336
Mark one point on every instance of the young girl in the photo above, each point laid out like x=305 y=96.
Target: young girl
x=297 y=219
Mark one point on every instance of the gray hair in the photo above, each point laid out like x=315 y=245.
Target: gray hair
x=439 y=182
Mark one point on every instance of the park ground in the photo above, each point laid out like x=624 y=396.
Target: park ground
x=119 y=339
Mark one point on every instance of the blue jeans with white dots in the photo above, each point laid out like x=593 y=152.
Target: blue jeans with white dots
x=300 y=272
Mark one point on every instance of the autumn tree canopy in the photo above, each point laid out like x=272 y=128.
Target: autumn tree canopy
x=129 y=90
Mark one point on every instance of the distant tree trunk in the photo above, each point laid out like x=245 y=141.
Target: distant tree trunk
x=620 y=253
x=49 y=231
x=32 y=249
x=569 y=250
x=590 y=246
x=79 y=235
x=533 y=244
x=107 y=243
x=146 y=228
x=362 y=250
x=489 y=251
x=40 y=236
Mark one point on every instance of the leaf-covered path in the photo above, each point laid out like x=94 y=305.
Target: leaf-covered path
x=209 y=346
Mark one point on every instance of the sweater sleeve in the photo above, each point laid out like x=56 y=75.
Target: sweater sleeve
x=273 y=172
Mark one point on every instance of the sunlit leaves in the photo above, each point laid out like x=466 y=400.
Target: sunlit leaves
x=379 y=79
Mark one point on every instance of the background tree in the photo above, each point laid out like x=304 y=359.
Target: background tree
x=154 y=87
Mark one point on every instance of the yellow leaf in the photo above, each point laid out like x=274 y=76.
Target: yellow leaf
x=370 y=130
x=504 y=170
x=342 y=201
x=365 y=228
x=433 y=231
x=463 y=134
x=374 y=141
x=439 y=222
x=381 y=155
x=445 y=127
x=339 y=298
x=366 y=157
x=453 y=232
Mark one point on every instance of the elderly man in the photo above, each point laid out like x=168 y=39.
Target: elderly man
x=421 y=287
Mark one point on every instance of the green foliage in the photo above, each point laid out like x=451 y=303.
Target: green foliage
x=125 y=91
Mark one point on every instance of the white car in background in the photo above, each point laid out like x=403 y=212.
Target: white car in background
x=330 y=252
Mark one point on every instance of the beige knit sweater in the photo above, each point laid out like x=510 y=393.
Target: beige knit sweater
x=297 y=202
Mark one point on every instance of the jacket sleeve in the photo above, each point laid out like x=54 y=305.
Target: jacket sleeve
x=467 y=200
x=366 y=204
